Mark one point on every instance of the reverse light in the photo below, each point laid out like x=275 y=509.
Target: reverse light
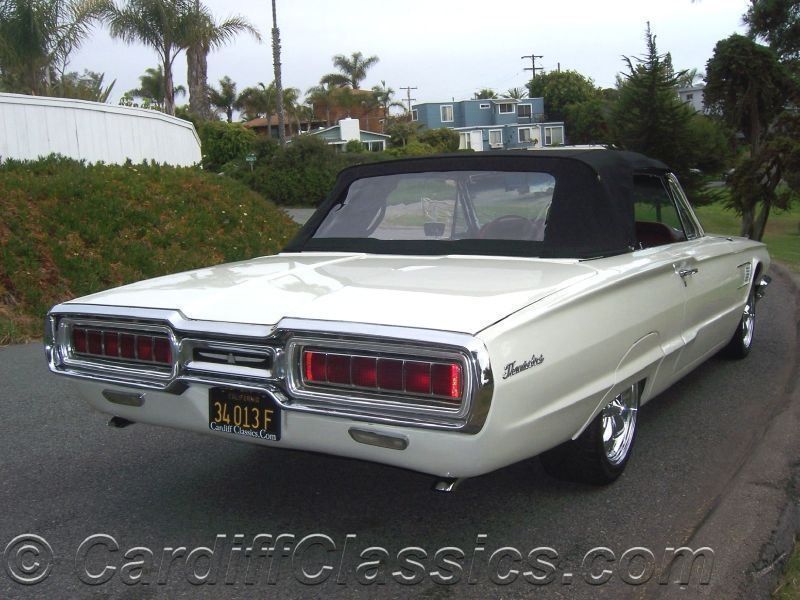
x=440 y=380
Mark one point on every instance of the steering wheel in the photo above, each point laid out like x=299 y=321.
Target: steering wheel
x=508 y=227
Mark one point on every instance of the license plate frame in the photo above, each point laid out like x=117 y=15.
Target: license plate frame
x=245 y=412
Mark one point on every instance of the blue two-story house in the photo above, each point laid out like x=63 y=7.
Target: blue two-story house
x=493 y=124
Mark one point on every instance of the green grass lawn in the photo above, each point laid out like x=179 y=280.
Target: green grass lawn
x=789 y=588
x=782 y=236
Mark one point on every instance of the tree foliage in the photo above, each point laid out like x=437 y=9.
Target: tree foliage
x=152 y=88
x=37 y=38
x=159 y=24
x=224 y=142
x=746 y=85
x=648 y=116
x=223 y=99
x=752 y=89
x=778 y=23
x=352 y=70
x=202 y=34
x=559 y=89
x=442 y=139
x=83 y=86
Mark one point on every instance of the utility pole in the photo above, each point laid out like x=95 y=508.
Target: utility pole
x=409 y=99
x=533 y=68
x=276 y=63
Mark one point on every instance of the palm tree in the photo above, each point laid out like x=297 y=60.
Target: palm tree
x=352 y=70
x=160 y=24
x=85 y=86
x=224 y=99
x=322 y=98
x=383 y=96
x=276 y=64
x=36 y=39
x=256 y=101
x=202 y=35
x=152 y=87
x=517 y=93
x=485 y=94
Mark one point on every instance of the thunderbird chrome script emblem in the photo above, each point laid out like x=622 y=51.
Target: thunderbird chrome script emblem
x=513 y=368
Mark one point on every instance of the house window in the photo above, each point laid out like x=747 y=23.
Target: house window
x=689 y=97
x=506 y=108
x=525 y=135
x=464 y=140
x=524 y=111
x=447 y=113
x=495 y=138
x=374 y=146
x=484 y=105
x=414 y=114
x=553 y=136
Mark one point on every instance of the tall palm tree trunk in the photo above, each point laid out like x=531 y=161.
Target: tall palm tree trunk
x=169 y=89
x=276 y=63
x=197 y=81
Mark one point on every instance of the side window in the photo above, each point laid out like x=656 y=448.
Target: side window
x=690 y=224
x=657 y=219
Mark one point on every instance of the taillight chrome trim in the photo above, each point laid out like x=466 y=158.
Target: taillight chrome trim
x=149 y=370
x=188 y=334
x=407 y=351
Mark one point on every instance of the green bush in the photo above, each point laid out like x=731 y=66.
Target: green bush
x=441 y=139
x=301 y=174
x=223 y=142
x=69 y=229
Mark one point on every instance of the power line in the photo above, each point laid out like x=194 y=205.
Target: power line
x=409 y=99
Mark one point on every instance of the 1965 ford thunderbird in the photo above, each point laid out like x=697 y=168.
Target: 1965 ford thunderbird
x=449 y=314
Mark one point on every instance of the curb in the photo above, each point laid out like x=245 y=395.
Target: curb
x=753 y=525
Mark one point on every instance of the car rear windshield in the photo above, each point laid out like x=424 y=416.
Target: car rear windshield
x=450 y=205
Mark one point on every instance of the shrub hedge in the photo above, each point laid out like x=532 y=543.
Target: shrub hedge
x=69 y=229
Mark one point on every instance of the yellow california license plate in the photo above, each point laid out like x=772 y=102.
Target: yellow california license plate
x=244 y=412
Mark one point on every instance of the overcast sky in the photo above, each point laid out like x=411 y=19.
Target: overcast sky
x=445 y=49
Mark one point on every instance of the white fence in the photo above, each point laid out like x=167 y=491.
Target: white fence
x=36 y=126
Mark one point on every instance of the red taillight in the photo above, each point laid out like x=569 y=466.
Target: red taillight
x=127 y=345
x=418 y=377
x=162 y=350
x=437 y=380
x=114 y=344
x=79 y=340
x=314 y=367
x=365 y=371
x=446 y=380
x=390 y=374
x=111 y=343
x=144 y=348
x=95 y=342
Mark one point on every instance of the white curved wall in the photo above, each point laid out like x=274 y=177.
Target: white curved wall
x=36 y=126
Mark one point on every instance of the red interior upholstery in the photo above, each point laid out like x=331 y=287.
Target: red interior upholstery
x=649 y=234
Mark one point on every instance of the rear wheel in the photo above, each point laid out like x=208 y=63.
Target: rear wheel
x=742 y=340
x=600 y=453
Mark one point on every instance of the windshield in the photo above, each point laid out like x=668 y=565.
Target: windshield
x=449 y=205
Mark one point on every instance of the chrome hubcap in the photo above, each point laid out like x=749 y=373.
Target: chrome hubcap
x=748 y=322
x=619 y=423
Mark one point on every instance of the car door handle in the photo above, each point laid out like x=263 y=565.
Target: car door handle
x=684 y=273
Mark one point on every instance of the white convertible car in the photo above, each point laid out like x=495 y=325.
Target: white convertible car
x=450 y=314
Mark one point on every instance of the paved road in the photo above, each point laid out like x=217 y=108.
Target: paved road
x=66 y=476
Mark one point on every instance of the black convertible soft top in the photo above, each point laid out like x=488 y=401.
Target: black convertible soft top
x=592 y=211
